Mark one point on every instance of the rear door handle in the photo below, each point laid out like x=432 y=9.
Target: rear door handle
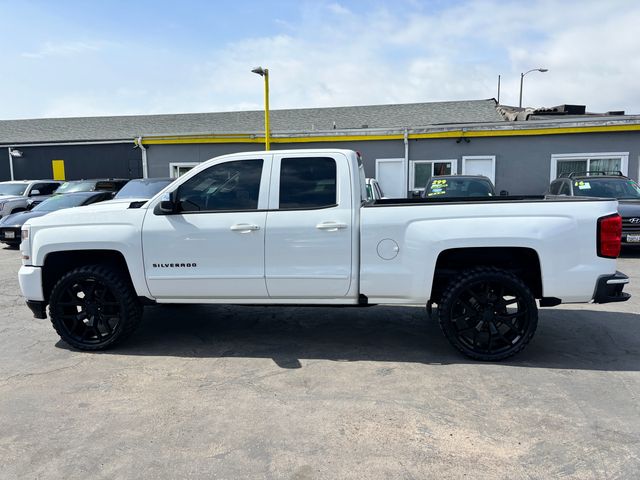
x=244 y=227
x=331 y=226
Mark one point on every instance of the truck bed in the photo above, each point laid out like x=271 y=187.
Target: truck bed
x=389 y=202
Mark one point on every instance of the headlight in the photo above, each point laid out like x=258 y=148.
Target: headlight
x=25 y=246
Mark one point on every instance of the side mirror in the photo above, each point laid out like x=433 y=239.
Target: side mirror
x=34 y=193
x=504 y=193
x=30 y=205
x=167 y=204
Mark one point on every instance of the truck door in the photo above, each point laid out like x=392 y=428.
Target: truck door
x=212 y=246
x=308 y=247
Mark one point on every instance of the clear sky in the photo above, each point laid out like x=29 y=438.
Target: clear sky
x=76 y=58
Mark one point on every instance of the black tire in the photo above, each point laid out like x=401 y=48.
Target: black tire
x=93 y=307
x=488 y=314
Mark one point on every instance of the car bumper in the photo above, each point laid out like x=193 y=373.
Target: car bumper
x=10 y=235
x=39 y=309
x=631 y=238
x=609 y=288
x=30 y=279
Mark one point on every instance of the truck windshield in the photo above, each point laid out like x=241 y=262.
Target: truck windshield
x=12 y=188
x=620 y=188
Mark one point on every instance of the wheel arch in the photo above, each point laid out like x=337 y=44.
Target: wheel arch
x=57 y=264
x=521 y=261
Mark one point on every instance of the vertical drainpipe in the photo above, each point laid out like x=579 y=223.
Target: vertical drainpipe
x=406 y=154
x=10 y=162
x=145 y=170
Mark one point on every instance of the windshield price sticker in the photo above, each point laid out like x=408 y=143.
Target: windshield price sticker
x=583 y=185
x=438 y=187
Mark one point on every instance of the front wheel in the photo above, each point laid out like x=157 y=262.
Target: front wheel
x=93 y=307
x=488 y=314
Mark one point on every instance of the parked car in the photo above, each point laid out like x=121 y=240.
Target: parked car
x=459 y=186
x=606 y=185
x=295 y=228
x=97 y=184
x=141 y=189
x=11 y=225
x=374 y=191
x=15 y=195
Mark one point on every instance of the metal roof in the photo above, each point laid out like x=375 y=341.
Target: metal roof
x=304 y=120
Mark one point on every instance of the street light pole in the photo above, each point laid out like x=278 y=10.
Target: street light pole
x=264 y=72
x=542 y=70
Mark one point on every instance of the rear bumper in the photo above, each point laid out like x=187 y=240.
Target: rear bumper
x=10 y=235
x=609 y=289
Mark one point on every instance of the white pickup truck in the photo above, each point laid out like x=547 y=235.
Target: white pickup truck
x=294 y=227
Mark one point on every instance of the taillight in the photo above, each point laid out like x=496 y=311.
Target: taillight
x=609 y=236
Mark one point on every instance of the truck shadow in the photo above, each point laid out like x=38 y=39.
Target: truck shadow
x=566 y=339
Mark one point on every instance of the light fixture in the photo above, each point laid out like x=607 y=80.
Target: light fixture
x=541 y=70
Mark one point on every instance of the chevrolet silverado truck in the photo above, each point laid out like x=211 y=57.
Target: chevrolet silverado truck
x=295 y=227
x=15 y=196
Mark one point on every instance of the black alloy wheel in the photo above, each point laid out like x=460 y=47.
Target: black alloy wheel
x=488 y=314
x=94 y=307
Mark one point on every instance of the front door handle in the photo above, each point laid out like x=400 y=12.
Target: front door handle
x=331 y=226
x=244 y=227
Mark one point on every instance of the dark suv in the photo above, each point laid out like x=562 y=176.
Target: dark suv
x=607 y=185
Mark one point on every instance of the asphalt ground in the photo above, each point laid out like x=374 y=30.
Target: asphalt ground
x=306 y=393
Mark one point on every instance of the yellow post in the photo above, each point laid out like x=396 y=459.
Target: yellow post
x=267 y=141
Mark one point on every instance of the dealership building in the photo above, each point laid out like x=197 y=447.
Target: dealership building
x=521 y=150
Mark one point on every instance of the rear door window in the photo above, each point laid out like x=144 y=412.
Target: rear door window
x=307 y=183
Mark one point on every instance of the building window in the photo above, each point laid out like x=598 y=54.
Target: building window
x=421 y=171
x=580 y=163
x=178 y=169
x=480 y=165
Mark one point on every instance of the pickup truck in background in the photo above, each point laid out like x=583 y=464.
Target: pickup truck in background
x=295 y=227
x=15 y=195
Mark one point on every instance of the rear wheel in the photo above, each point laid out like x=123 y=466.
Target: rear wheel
x=488 y=314
x=94 y=307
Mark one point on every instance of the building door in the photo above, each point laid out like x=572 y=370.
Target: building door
x=391 y=173
x=480 y=165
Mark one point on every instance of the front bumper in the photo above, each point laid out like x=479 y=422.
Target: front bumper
x=609 y=289
x=30 y=279
x=38 y=308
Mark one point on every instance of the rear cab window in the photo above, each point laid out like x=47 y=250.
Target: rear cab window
x=307 y=183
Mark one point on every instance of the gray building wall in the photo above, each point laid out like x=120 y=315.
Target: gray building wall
x=118 y=160
x=523 y=163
